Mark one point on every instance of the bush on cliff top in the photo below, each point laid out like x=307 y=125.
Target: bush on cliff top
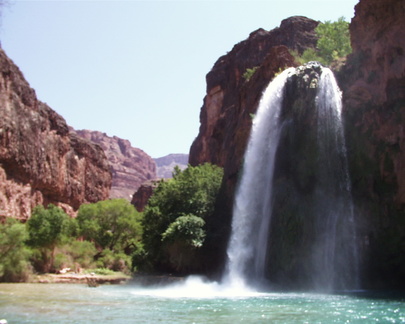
x=333 y=43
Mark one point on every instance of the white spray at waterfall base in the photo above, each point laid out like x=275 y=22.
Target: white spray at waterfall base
x=197 y=287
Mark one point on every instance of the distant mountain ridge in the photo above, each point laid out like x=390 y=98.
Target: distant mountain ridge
x=130 y=166
x=165 y=165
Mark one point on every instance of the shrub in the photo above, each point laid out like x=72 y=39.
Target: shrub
x=47 y=228
x=187 y=229
x=333 y=43
x=114 y=261
x=247 y=75
x=76 y=255
x=176 y=213
x=14 y=255
x=111 y=224
x=101 y=271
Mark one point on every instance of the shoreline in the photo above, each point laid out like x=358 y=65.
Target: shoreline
x=92 y=280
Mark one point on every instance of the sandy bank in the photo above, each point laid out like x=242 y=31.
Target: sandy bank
x=118 y=278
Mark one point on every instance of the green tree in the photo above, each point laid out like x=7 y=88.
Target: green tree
x=175 y=216
x=187 y=229
x=333 y=43
x=334 y=40
x=14 y=255
x=47 y=228
x=111 y=224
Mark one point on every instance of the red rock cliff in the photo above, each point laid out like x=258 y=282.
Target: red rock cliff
x=231 y=99
x=42 y=162
x=130 y=166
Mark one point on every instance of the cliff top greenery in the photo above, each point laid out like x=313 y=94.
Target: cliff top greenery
x=333 y=43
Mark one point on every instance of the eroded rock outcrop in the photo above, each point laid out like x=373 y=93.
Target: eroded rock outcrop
x=41 y=162
x=373 y=83
x=130 y=166
x=141 y=196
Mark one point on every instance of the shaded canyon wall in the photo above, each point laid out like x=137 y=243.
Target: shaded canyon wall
x=373 y=84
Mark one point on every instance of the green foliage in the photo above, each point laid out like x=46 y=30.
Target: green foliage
x=101 y=271
x=114 y=261
x=247 y=75
x=14 y=255
x=112 y=231
x=333 y=43
x=48 y=228
x=111 y=224
x=334 y=39
x=76 y=255
x=188 y=229
x=177 y=209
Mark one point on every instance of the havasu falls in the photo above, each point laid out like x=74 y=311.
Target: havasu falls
x=293 y=224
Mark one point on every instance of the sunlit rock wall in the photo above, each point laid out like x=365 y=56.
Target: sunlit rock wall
x=41 y=162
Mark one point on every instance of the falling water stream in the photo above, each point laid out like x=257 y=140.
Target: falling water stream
x=248 y=240
x=333 y=257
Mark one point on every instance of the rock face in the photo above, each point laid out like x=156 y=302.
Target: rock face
x=373 y=83
x=142 y=195
x=165 y=165
x=41 y=162
x=229 y=93
x=232 y=98
x=130 y=166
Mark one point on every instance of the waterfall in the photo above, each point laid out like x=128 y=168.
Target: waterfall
x=317 y=233
x=335 y=253
x=248 y=240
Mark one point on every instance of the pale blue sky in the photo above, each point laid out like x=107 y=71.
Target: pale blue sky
x=136 y=69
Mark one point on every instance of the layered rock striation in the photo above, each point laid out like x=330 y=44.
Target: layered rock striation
x=41 y=161
x=130 y=166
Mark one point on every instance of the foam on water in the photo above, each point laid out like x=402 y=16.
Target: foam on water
x=198 y=287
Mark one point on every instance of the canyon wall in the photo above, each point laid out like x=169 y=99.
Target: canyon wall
x=41 y=161
x=373 y=84
x=130 y=166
